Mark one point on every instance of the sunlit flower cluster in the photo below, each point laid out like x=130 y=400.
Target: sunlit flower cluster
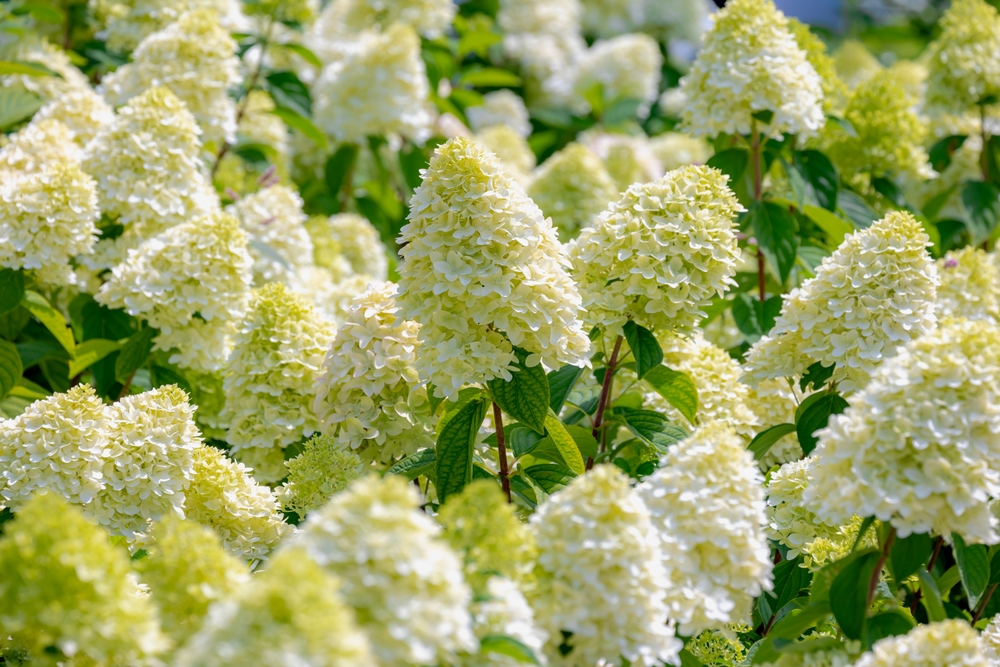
x=628 y=158
x=279 y=242
x=950 y=642
x=514 y=152
x=350 y=238
x=322 y=469
x=572 y=187
x=83 y=111
x=675 y=149
x=623 y=68
x=501 y=107
x=46 y=142
x=970 y=285
x=963 y=68
x=128 y=22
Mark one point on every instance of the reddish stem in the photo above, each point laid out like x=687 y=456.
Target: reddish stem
x=502 y=451
x=602 y=402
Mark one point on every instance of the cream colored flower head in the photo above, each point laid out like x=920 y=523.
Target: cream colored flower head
x=369 y=382
x=774 y=402
x=854 y=63
x=290 y=614
x=128 y=22
x=919 y=447
x=69 y=593
x=707 y=503
x=35 y=49
x=539 y=17
x=83 y=111
x=964 y=70
x=623 y=68
x=607 y=18
x=323 y=469
x=332 y=298
x=875 y=292
x=835 y=91
x=302 y=12
x=676 y=149
x=350 y=238
x=244 y=514
x=430 y=18
x=275 y=223
x=952 y=642
x=483 y=271
x=201 y=346
x=501 y=107
x=195 y=58
x=750 y=62
x=970 y=285
x=503 y=610
x=46 y=142
x=548 y=63
x=404 y=582
x=514 y=152
x=572 y=187
x=379 y=88
x=629 y=159
x=46 y=219
x=600 y=574
x=659 y=254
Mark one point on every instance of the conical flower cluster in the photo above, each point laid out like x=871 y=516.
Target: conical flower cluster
x=750 y=62
x=876 y=291
x=707 y=503
x=83 y=111
x=572 y=187
x=675 y=149
x=510 y=147
x=340 y=18
x=660 y=253
x=834 y=89
x=405 y=584
x=46 y=142
x=195 y=58
x=363 y=395
x=314 y=476
x=483 y=271
x=600 y=575
x=128 y=22
x=964 y=70
x=275 y=223
x=919 y=447
x=628 y=158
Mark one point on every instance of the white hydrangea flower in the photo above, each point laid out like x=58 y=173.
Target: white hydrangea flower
x=774 y=402
x=951 y=643
x=676 y=149
x=660 y=253
x=629 y=159
x=514 y=152
x=876 y=291
x=150 y=460
x=970 y=285
x=83 y=111
x=600 y=574
x=58 y=443
x=379 y=87
x=36 y=50
x=707 y=503
x=479 y=259
x=539 y=17
x=678 y=22
x=333 y=298
x=963 y=66
x=345 y=18
x=625 y=67
x=991 y=641
x=45 y=142
x=404 y=582
x=572 y=187
x=607 y=18
x=368 y=381
x=201 y=346
x=128 y=22
x=505 y=611
x=46 y=219
x=272 y=372
x=279 y=242
x=350 y=237
x=919 y=447
x=750 y=62
x=501 y=107
x=195 y=58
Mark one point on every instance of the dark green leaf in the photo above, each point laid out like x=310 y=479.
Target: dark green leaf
x=11 y=289
x=10 y=367
x=820 y=173
x=36 y=351
x=451 y=408
x=13 y=321
x=53 y=320
x=521 y=439
x=844 y=124
x=973 y=562
x=764 y=440
x=508 y=646
x=620 y=111
x=813 y=414
x=816 y=376
x=790 y=627
x=941 y=152
x=550 y=476
x=565 y=443
x=524 y=491
x=754 y=318
x=645 y=348
x=836 y=228
x=849 y=594
x=909 y=554
x=651 y=427
x=764 y=115
x=455 y=447
x=561 y=383
x=489 y=77
x=888 y=189
x=775 y=228
x=995 y=569
x=90 y=352
x=677 y=387
x=526 y=396
x=856 y=209
x=477 y=42
x=789 y=578
x=931 y=597
x=134 y=354
x=411 y=161
x=26 y=68
x=982 y=209
x=162 y=375
x=303 y=53
x=731 y=162
x=415 y=465
x=295 y=120
x=288 y=91
x=338 y=168
x=889 y=623
x=42 y=12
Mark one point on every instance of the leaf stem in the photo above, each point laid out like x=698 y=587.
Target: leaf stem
x=930 y=569
x=873 y=583
x=602 y=402
x=502 y=451
x=981 y=607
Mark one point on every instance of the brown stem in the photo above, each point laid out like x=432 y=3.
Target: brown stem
x=602 y=402
x=873 y=583
x=981 y=607
x=761 y=275
x=502 y=451
x=128 y=383
x=930 y=568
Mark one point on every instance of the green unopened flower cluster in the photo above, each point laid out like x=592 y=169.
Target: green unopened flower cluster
x=322 y=469
x=963 y=69
x=350 y=238
x=572 y=187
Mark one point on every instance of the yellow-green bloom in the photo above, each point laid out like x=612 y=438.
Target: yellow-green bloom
x=46 y=142
x=964 y=70
x=128 y=22
x=854 y=63
x=513 y=151
x=952 y=642
x=572 y=187
x=625 y=67
x=970 y=285
x=675 y=149
x=322 y=469
x=342 y=18
x=350 y=238
x=501 y=107
x=83 y=111
x=274 y=221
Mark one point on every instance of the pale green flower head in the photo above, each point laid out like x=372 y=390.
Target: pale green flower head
x=46 y=142
x=624 y=67
x=628 y=158
x=275 y=223
x=835 y=91
x=33 y=48
x=513 y=151
x=572 y=187
x=676 y=149
x=65 y=586
x=749 y=62
x=950 y=642
x=128 y=22
x=403 y=581
x=483 y=271
x=430 y=18
x=83 y=111
x=501 y=107
x=323 y=469
x=187 y=570
x=290 y=614
x=970 y=285
x=350 y=238
x=607 y=18
x=295 y=11
x=964 y=70
x=660 y=253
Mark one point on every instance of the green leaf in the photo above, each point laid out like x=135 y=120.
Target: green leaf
x=775 y=229
x=909 y=554
x=526 y=396
x=645 y=348
x=134 y=353
x=764 y=115
x=836 y=228
x=789 y=628
x=931 y=597
x=465 y=396
x=813 y=414
x=844 y=124
x=820 y=173
x=163 y=375
x=622 y=110
x=489 y=77
x=995 y=569
x=10 y=367
x=732 y=162
x=53 y=320
x=521 y=439
x=888 y=189
x=764 y=440
x=754 y=318
x=856 y=209
x=415 y=465
x=849 y=594
x=299 y=122
x=509 y=647
x=816 y=376
x=561 y=383
x=982 y=209
x=891 y=623
x=651 y=427
x=42 y=12
x=973 y=562
x=17 y=104
x=550 y=476
x=288 y=91
x=11 y=289
x=941 y=152
x=565 y=443
x=789 y=578
x=455 y=446
x=338 y=168
x=90 y=352
x=24 y=67
x=303 y=53
x=677 y=388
